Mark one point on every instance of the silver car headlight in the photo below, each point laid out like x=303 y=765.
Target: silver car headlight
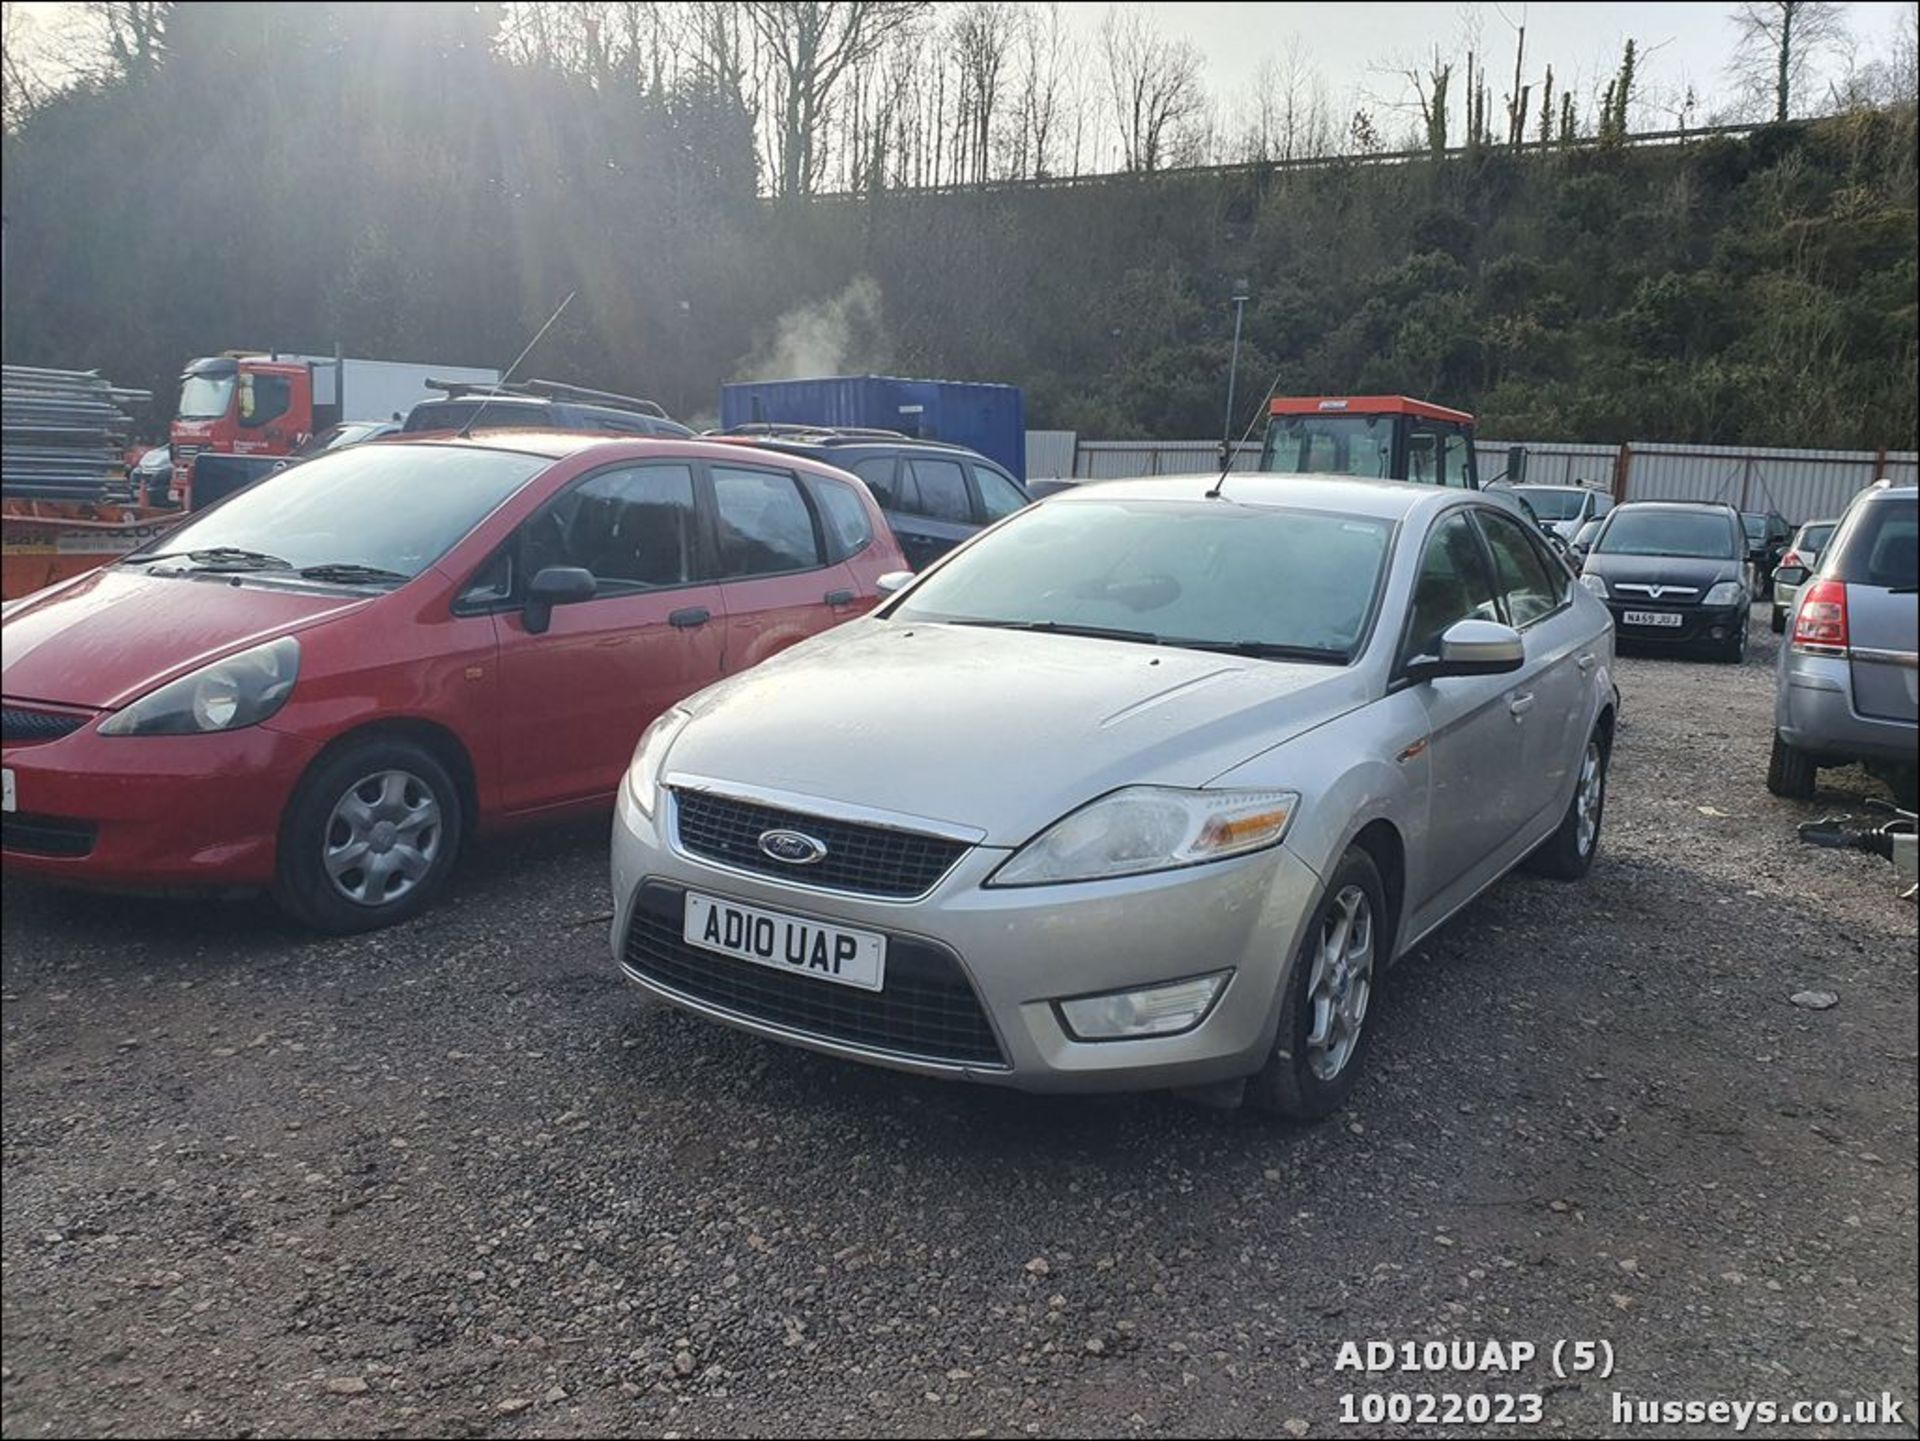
x=1149 y=828
x=241 y=690
x=1727 y=592
x=643 y=772
x=1595 y=584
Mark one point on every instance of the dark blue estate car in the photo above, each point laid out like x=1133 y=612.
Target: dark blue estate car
x=934 y=495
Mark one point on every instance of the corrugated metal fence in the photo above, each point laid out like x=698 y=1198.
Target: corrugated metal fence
x=1551 y=462
x=1063 y=455
x=1800 y=484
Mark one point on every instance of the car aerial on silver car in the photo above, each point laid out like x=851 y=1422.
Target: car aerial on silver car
x=1848 y=684
x=1142 y=788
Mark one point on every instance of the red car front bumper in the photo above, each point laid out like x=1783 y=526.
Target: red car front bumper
x=150 y=811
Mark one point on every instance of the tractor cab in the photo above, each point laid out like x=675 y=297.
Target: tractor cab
x=1385 y=437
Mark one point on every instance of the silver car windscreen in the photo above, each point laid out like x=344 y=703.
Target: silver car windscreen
x=1210 y=573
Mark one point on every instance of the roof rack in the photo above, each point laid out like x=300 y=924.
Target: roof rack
x=825 y=434
x=557 y=391
x=771 y=428
x=547 y=390
x=456 y=389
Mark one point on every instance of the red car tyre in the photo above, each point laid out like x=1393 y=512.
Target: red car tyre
x=370 y=837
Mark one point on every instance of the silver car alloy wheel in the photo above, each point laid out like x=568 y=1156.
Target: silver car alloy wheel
x=382 y=837
x=1340 y=983
x=1593 y=790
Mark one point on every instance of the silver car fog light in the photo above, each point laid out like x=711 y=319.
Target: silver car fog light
x=1163 y=1010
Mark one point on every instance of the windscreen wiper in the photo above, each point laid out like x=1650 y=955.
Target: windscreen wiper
x=351 y=573
x=1055 y=627
x=218 y=557
x=1263 y=650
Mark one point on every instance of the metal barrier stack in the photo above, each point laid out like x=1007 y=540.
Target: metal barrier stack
x=63 y=434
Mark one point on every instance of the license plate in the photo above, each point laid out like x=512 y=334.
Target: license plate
x=786 y=943
x=1650 y=617
x=7 y=802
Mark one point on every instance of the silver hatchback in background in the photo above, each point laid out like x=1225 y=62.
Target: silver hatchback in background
x=1143 y=788
x=1848 y=687
x=1803 y=554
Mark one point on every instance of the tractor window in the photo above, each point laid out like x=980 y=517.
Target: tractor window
x=1454 y=454
x=1423 y=457
x=1436 y=455
x=1330 y=445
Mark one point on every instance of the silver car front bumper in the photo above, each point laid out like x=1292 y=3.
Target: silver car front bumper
x=1022 y=950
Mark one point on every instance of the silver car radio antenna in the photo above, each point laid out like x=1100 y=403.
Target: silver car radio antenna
x=1226 y=461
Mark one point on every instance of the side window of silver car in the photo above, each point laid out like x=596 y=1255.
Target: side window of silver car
x=1454 y=584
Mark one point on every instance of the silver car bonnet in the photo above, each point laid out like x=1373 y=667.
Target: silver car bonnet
x=994 y=730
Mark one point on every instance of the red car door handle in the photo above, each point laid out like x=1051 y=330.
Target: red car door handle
x=841 y=597
x=693 y=615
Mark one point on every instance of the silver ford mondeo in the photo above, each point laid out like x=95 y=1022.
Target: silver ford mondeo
x=1143 y=787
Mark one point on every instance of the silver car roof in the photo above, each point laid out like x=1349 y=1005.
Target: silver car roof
x=1347 y=495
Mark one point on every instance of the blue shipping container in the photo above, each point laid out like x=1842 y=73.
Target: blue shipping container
x=991 y=419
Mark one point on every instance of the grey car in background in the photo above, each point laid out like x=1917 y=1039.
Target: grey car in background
x=1563 y=509
x=1848 y=687
x=1796 y=565
x=1142 y=788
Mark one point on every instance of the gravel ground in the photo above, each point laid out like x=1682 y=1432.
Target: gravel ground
x=455 y=1179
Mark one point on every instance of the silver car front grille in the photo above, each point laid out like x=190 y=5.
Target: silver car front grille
x=1674 y=593
x=863 y=859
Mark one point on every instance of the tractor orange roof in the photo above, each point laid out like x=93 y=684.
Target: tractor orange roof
x=1365 y=405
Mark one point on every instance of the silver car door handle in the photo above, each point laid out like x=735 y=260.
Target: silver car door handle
x=1586 y=662
x=1520 y=705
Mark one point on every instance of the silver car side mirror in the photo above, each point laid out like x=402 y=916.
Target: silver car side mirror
x=1472 y=647
x=892 y=581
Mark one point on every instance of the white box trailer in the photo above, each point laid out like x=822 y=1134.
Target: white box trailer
x=381 y=389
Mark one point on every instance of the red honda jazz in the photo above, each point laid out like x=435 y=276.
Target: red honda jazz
x=328 y=682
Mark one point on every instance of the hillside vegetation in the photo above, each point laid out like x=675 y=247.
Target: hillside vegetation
x=294 y=183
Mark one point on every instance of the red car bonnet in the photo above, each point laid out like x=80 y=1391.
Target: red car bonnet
x=115 y=634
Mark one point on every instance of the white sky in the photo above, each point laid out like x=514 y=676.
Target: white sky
x=1359 y=47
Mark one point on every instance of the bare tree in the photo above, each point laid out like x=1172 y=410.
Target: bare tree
x=24 y=86
x=1520 y=98
x=132 y=36
x=1429 y=88
x=1778 y=42
x=1159 y=101
x=807 y=48
x=719 y=52
x=1081 y=95
x=1285 y=115
x=982 y=36
x=1045 y=53
x=1891 y=78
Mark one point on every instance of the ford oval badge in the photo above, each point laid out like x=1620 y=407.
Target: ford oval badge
x=792 y=848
